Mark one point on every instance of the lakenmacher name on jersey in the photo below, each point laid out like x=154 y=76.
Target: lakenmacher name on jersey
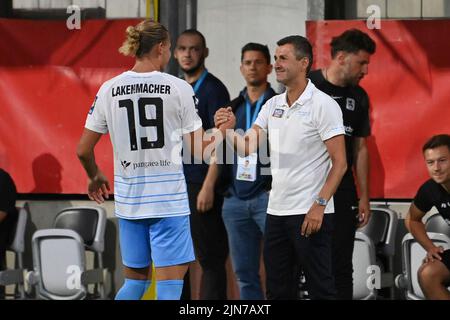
x=141 y=88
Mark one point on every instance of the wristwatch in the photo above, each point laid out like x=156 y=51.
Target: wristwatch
x=321 y=201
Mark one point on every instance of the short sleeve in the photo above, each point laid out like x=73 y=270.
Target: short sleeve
x=190 y=121
x=96 y=118
x=9 y=193
x=422 y=201
x=329 y=120
x=363 y=129
x=262 y=120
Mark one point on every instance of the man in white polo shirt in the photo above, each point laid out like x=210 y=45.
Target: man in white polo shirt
x=307 y=155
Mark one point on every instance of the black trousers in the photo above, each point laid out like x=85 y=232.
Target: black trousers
x=345 y=222
x=4 y=241
x=285 y=249
x=210 y=244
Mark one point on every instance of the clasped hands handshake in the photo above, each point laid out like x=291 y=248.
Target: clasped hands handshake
x=224 y=119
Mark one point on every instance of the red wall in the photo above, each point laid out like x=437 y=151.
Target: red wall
x=49 y=76
x=408 y=85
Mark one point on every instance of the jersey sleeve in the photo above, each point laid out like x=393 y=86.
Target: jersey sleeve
x=328 y=119
x=9 y=194
x=190 y=121
x=96 y=118
x=262 y=120
x=422 y=201
x=363 y=129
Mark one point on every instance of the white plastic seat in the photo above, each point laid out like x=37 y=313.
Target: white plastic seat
x=363 y=259
x=58 y=263
x=374 y=251
x=59 y=255
x=412 y=258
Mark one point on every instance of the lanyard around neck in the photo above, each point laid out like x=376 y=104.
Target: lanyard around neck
x=251 y=118
x=200 y=80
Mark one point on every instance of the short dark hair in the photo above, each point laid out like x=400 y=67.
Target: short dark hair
x=352 y=41
x=194 y=32
x=302 y=48
x=251 y=46
x=437 y=141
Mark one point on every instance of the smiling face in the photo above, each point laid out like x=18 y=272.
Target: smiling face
x=190 y=53
x=255 y=68
x=438 y=164
x=355 y=66
x=287 y=66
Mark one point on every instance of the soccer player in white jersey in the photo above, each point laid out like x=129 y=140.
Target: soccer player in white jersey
x=146 y=113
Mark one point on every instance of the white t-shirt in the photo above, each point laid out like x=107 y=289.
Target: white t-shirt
x=146 y=115
x=298 y=156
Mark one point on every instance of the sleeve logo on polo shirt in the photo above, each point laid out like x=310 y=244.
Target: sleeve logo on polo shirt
x=278 y=113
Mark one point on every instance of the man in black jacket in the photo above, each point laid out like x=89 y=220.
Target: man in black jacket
x=350 y=53
x=8 y=217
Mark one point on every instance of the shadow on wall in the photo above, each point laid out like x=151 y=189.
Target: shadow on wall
x=47 y=174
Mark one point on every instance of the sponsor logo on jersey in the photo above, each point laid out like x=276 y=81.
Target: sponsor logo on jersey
x=336 y=97
x=350 y=104
x=125 y=164
x=445 y=205
x=93 y=105
x=348 y=130
x=278 y=113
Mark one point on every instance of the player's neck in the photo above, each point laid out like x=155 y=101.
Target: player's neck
x=192 y=77
x=295 y=90
x=334 y=76
x=254 y=92
x=145 y=65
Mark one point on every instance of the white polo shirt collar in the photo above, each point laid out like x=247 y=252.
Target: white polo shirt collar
x=304 y=97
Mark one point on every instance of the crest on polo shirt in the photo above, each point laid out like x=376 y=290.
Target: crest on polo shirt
x=350 y=104
x=277 y=113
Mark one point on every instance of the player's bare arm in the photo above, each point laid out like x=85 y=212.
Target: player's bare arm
x=244 y=145
x=361 y=166
x=98 y=184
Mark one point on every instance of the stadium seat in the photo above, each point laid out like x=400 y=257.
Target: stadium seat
x=17 y=245
x=413 y=254
x=58 y=262
x=88 y=224
x=363 y=257
x=374 y=251
x=412 y=257
x=436 y=223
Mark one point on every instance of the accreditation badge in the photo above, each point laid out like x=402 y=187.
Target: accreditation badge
x=246 y=169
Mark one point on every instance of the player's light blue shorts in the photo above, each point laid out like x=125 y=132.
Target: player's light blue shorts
x=165 y=241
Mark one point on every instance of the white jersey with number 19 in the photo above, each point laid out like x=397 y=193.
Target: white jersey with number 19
x=146 y=115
